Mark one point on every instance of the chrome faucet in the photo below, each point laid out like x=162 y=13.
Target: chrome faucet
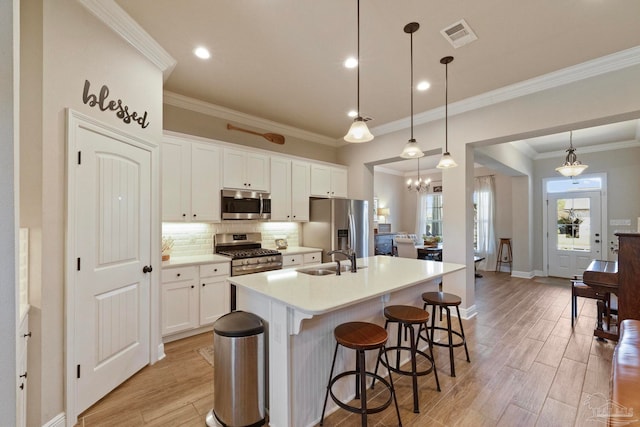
x=349 y=254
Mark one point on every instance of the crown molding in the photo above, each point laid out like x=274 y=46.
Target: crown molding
x=192 y=104
x=605 y=64
x=114 y=17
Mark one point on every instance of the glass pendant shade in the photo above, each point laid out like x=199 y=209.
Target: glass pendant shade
x=446 y=162
x=358 y=132
x=571 y=166
x=411 y=150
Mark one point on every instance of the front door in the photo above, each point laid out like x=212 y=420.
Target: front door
x=574 y=235
x=112 y=232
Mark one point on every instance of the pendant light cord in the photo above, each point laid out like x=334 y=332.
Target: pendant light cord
x=411 y=55
x=358 y=71
x=446 y=107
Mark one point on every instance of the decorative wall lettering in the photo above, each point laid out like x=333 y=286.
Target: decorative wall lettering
x=122 y=111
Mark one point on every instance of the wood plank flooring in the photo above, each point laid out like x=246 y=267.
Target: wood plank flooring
x=528 y=368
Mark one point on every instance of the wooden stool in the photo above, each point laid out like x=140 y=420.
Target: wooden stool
x=406 y=316
x=504 y=241
x=361 y=336
x=444 y=301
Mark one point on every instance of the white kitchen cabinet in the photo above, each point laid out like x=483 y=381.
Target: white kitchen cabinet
x=215 y=295
x=179 y=299
x=328 y=181
x=21 y=371
x=294 y=260
x=245 y=170
x=194 y=296
x=290 y=190
x=190 y=181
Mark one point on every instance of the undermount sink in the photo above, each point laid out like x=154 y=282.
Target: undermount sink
x=325 y=271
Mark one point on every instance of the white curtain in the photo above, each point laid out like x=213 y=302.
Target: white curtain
x=421 y=214
x=486 y=213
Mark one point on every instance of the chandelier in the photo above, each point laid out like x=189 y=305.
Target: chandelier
x=419 y=185
x=571 y=166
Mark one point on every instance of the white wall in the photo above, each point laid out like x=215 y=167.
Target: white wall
x=75 y=47
x=388 y=188
x=9 y=103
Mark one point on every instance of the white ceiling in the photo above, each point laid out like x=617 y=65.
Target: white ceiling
x=281 y=60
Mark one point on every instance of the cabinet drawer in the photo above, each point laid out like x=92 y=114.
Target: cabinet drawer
x=178 y=274
x=292 y=260
x=313 y=258
x=219 y=269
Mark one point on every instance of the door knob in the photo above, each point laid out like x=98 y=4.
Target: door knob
x=147 y=269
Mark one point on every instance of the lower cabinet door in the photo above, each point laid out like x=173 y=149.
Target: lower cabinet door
x=179 y=306
x=215 y=298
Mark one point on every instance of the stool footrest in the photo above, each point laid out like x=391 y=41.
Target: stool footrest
x=397 y=369
x=357 y=409
x=446 y=344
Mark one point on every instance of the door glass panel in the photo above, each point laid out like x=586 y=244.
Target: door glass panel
x=574 y=224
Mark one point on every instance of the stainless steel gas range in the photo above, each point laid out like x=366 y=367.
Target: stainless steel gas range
x=247 y=255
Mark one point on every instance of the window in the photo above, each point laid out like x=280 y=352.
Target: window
x=433 y=215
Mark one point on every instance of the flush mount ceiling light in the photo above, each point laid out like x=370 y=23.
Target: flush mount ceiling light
x=202 y=52
x=571 y=166
x=358 y=132
x=411 y=149
x=446 y=161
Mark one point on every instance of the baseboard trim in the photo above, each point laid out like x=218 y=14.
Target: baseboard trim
x=467 y=313
x=160 y=355
x=57 y=421
x=523 y=274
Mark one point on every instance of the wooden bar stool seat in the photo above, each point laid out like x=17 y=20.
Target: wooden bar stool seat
x=406 y=317
x=360 y=336
x=445 y=300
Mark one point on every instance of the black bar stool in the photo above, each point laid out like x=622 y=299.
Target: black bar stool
x=444 y=301
x=406 y=317
x=360 y=336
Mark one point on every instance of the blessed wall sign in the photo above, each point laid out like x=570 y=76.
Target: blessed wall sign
x=101 y=101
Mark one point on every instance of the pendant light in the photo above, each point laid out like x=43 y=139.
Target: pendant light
x=411 y=149
x=419 y=185
x=571 y=166
x=358 y=132
x=446 y=161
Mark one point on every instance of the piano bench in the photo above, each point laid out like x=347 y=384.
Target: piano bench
x=625 y=374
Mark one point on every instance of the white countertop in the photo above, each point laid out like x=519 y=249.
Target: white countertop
x=184 y=261
x=297 y=250
x=321 y=294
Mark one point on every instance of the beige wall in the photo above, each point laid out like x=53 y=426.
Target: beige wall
x=388 y=189
x=75 y=47
x=194 y=123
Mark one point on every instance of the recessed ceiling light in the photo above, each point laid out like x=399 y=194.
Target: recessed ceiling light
x=352 y=113
x=351 y=62
x=202 y=52
x=424 y=85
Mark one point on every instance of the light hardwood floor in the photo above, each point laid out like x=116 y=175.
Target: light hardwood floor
x=528 y=367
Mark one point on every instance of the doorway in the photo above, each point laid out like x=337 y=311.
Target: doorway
x=575 y=217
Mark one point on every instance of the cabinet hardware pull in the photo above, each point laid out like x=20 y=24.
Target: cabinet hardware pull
x=27 y=335
x=215 y=270
x=147 y=269
x=178 y=274
x=24 y=375
x=203 y=285
x=192 y=286
x=184 y=215
x=22 y=386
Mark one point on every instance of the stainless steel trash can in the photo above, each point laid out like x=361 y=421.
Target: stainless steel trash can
x=238 y=371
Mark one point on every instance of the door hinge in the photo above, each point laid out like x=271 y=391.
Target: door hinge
x=79 y=157
x=78 y=264
x=78 y=372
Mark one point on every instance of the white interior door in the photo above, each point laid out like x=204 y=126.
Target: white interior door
x=574 y=235
x=112 y=239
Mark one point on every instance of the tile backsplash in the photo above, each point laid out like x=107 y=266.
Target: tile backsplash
x=197 y=238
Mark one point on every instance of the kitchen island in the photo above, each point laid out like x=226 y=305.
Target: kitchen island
x=301 y=312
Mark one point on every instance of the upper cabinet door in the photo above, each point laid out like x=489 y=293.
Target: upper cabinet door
x=338 y=183
x=176 y=181
x=245 y=171
x=300 y=190
x=280 y=189
x=320 y=180
x=205 y=182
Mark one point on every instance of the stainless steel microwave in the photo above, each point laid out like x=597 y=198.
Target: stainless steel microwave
x=245 y=205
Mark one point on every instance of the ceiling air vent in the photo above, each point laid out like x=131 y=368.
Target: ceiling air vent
x=459 y=34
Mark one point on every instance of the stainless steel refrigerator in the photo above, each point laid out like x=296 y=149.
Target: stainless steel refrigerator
x=337 y=224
